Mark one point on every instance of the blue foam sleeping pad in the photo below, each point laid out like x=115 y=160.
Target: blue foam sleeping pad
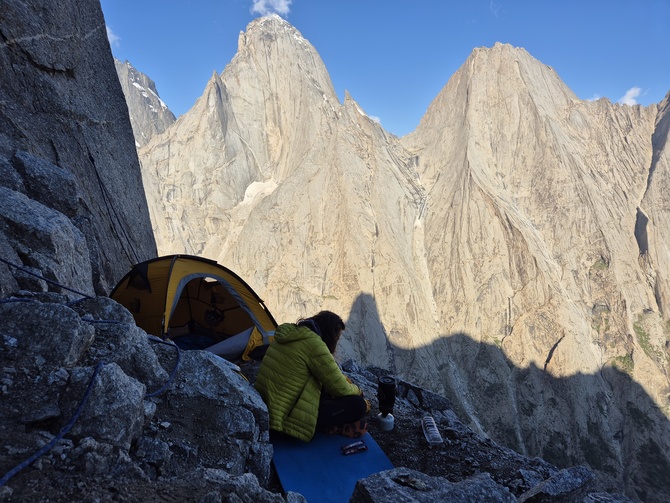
x=320 y=472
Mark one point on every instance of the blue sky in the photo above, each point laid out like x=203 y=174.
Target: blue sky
x=395 y=56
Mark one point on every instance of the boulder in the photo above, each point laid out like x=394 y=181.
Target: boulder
x=46 y=240
x=403 y=484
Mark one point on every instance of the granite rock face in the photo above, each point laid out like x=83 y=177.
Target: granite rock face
x=561 y=278
x=509 y=253
x=73 y=205
x=148 y=114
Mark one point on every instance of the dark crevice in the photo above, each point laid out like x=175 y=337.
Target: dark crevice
x=641 y=221
x=551 y=352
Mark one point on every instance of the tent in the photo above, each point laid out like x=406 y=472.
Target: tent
x=198 y=304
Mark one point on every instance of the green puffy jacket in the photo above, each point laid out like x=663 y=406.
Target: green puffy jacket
x=295 y=367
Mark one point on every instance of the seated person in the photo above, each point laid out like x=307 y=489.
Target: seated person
x=302 y=384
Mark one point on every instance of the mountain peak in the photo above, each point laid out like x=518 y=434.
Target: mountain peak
x=514 y=71
x=274 y=56
x=494 y=78
x=269 y=29
x=507 y=53
x=149 y=115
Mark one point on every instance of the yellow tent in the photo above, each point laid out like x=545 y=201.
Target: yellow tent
x=198 y=304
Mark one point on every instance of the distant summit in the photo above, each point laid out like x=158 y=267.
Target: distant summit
x=148 y=114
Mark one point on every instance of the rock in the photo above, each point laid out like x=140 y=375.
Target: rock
x=292 y=497
x=245 y=487
x=403 y=484
x=606 y=498
x=113 y=412
x=11 y=178
x=566 y=486
x=99 y=459
x=211 y=417
x=54 y=333
x=218 y=416
x=48 y=241
x=8 y=282
x=48 y=184
x=119 y=340
x=154 y=454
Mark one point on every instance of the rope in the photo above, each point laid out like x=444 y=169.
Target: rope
x=174 y=370
x=46 y=448
x=45 y=279
x=91 y=320
x=111 y=211
x=60 y=434
x=6 y=301
x=173 y=373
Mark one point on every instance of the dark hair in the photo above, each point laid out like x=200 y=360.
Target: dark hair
x=327 y=325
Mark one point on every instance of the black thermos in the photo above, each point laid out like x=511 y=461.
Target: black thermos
x=386 y=391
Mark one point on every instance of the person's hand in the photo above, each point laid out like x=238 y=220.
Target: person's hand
x=367 y=405
x=352 y=382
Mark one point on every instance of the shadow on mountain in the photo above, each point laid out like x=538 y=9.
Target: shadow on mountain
x=605 y=420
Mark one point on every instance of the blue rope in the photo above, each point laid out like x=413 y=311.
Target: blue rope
x=173 y=373
x=60 y=435
x=46 y=448
x=91 y=320
x=5 y=301
x=45 y=279
x=174 y=370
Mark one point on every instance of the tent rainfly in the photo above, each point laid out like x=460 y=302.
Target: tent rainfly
x=198 y=304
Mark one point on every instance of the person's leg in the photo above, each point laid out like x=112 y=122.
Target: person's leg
x=339 y=411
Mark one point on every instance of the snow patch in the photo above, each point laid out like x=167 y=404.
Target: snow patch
x=163 y=105
x=300 y=39
x=258 y=189
x=143 y=92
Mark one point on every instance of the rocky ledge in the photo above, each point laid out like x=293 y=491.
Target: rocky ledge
x=94 y=409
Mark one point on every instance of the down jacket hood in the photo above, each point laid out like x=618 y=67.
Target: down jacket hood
x=291 y=333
